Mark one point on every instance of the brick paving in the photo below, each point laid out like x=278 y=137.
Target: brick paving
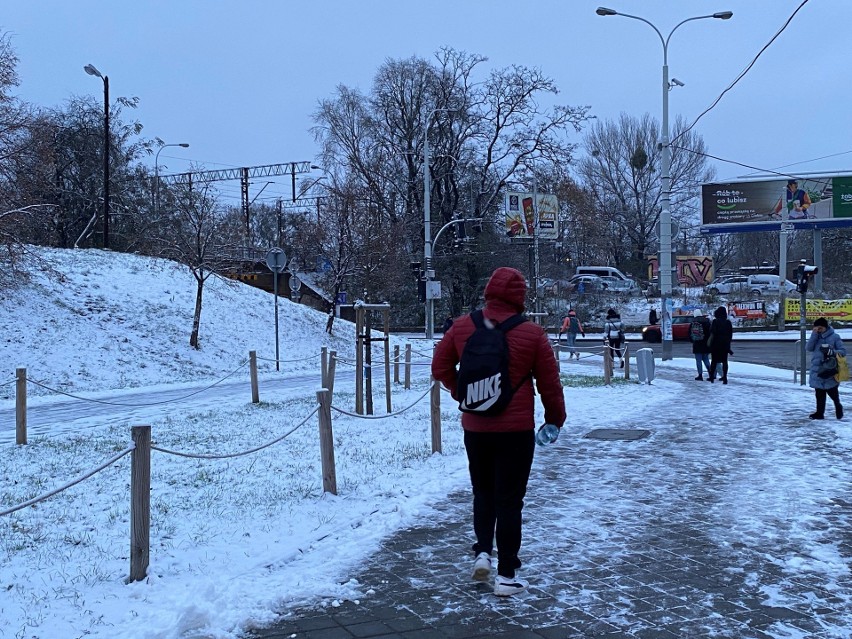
x=647 y=560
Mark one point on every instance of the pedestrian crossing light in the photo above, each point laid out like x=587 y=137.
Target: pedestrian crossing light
x=803 y=276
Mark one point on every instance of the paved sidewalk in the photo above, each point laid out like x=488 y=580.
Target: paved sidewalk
x=663 y=548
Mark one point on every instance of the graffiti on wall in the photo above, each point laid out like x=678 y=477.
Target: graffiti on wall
x=690 y=270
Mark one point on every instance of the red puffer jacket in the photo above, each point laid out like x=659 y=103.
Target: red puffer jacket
x=529 y=351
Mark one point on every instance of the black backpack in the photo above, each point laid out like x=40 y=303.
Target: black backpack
x=484 y=387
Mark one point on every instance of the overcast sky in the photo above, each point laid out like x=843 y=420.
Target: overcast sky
x=240 y=80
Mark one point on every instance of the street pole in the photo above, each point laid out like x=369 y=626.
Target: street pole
x=665 y=254
x=782 y=265
x=535 y=249
x=427 y=230
x=91 y=70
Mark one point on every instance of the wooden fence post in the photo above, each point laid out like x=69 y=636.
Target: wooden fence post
x=329 y=376
x=435 y=413
x=21 y=406
x=626 y=361
x=329 y=476
x=396 y=364
x=255 y=394
x=140 y=502
x=556 y=355
x=407 y=366
x=607 y=363
x=323 y=365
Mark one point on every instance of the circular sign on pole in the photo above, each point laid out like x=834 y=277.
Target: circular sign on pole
x=276 y=260
x=295 y=283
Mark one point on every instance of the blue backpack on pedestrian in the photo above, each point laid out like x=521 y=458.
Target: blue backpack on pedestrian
x=484 y=386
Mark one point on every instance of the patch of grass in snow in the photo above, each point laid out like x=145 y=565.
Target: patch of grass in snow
x=589 y=381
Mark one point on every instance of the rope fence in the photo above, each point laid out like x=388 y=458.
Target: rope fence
x=70 y=484
x=394 y=414
x=241 y=453
x=288 y=361
x=165 y=401
x=11 y=381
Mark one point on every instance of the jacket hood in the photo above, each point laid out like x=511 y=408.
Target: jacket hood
x=507 y=285
x=721 y=313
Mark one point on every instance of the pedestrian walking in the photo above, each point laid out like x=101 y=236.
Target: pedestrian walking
x=721 y=334
x=500 y=447
x=699 y=334
x=825 y=345
x=653 y=318
x=614 y=335
x=571 y=326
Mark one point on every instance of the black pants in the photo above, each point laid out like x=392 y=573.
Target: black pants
x=834 y=393
x=719 y=358
x=614 y=348
x=499 y=465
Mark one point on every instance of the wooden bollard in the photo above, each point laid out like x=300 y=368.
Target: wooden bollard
x=607 y=364
x=255 y=393
x=140 y=503
x=329 y=476
x=556 y=355
x=407 y=366
x=21 y=406
x=396 y=364
x=323 y=365
x=626 y=361
x=328 y=383
x=435 y=414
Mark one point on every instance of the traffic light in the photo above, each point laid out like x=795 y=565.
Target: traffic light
x=803 y=276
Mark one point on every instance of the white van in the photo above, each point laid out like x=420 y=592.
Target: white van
x=601 y=271
x=770 y=284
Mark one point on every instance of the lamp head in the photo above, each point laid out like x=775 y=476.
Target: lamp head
x=184 y=145
x=724 y=15
x=91 y=70
x=603 y=11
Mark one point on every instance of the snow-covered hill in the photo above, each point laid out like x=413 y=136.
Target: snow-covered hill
x=97 y=320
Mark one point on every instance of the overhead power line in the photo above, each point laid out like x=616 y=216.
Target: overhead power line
x=744 y=71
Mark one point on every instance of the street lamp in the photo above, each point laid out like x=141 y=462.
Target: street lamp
x=157 y=174
x=665 y=254
x=427 y=223
x=91 y=70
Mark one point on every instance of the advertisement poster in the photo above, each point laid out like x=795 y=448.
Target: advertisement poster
x=813 y=198
x=668 y=313
x=690 y=270
x=832 y=310
x=520 y=216
x=750 y=310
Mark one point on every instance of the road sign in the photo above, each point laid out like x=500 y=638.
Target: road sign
x=276 y=260
x=295 y=283
x=675 y=229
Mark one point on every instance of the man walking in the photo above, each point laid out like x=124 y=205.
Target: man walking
x=500 y=447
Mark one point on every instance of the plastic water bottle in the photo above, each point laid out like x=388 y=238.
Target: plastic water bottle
x=547 y=434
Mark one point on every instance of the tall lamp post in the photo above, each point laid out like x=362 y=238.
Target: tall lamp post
x=157 y=174
x=91 y=70
x=665 y=253
x=427 y=224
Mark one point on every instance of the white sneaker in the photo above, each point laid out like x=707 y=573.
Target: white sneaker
x=506 y=586
x=482 y=567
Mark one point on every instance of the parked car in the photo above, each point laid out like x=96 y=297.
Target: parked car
x=728 y=285
x=587 y=283
x=768 y=284
x=618 y=285
x=680 y=329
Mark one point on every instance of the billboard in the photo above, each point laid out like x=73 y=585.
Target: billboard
x=689 y=270
x=832 y=310
x=809 y=203
x=520 y=215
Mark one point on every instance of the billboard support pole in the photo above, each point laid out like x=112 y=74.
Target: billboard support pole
x=818 y=260
x=535 y=246
x=782 y=265
x=803 y=301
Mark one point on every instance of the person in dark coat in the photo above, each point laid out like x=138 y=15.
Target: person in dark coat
x=721 y=333
x=823 y=343
x=500 y=447
x=700 y=347
x=653 y=318
x=447 y=323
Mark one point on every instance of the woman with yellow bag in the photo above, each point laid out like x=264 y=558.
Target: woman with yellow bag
x=825 y=347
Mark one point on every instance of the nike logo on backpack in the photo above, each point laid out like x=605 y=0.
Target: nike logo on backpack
x=486 y=389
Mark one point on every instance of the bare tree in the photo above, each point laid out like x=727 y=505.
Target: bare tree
x=192 y=233
x=621 y=172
